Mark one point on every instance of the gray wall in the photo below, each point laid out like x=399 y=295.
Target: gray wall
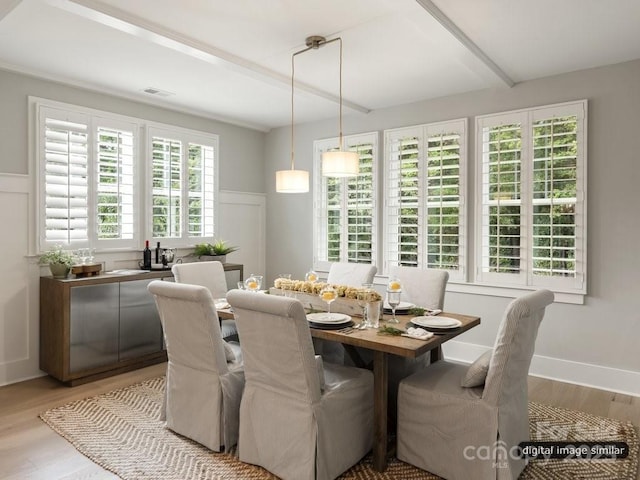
x=604 y=331
x=241 y=149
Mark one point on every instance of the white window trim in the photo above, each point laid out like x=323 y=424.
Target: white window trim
x=142 y=226
x=423 y=132
x=319 y=214
x=525 y=280
x=185 y=136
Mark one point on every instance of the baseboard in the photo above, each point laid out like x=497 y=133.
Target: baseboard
x=584 y=374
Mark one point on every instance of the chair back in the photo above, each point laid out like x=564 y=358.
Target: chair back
x=206 y=274
x=276 y=345
x=424 y=287
x=352 y=274
x=513 y=348
x=190 y=325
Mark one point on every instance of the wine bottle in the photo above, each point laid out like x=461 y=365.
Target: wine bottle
x=157 y=253
x=146 y=256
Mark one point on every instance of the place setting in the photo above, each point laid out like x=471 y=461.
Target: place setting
x=328 y=320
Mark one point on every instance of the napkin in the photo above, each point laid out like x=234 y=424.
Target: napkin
x=418 y=333
x=221 y=304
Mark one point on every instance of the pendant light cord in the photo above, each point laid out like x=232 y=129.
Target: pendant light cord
x=292 y=86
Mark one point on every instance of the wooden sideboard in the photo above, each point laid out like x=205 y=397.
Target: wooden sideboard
x=104 y=325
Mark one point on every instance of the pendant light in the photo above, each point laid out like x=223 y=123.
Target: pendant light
x=292 y=180
x=340 y=163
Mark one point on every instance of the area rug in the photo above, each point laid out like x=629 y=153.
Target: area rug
x=121 y=432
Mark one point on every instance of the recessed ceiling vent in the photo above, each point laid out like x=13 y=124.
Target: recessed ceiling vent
x=157 y=92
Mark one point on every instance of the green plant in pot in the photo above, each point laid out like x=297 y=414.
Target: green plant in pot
x=214 y=251
x=60 y=261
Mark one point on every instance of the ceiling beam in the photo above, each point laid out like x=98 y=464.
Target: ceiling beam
x=462 y=37
x=141 y=28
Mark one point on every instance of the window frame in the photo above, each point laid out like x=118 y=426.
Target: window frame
x=186 y=137
x=141 y=128
x=320 y=242
x=525 y=279
x=423 y=133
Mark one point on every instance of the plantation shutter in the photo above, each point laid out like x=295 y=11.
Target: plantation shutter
x=404 y=210
x=425 y=192
x=532 y=197
x=183 y=186
x=360 y=206
x=558 y=197
x=115 y=182
x=201 y=190
x=64 y=140
x=345 y=208
x=166 y=180
x=503 y=239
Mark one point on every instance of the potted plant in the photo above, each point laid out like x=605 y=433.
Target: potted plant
x=214 y=251
x=60 y=261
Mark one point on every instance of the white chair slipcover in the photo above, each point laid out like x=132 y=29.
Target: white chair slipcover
x=288 y=424
x=343 y=273
x=352 y=274
x=442 y=425
x=212 y=276
x=423 y=287
x=203 y=390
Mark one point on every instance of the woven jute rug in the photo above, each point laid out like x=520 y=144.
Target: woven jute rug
x=121 y=432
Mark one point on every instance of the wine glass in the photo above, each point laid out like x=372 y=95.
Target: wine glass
x=394 y=285
x=393 y=299
x=253 y=283
x=311 y=276
x=328 y=294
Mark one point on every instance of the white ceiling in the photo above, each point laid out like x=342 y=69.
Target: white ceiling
x=231 y=60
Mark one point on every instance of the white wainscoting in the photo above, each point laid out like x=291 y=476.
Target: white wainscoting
x=242 y=222
x=19 y=286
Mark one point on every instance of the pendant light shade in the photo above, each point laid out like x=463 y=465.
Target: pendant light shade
x=292 y=181
x=340 y=164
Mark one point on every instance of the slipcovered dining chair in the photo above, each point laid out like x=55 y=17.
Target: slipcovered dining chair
x=212 y=276
x=352 y=274
x=204 y=379
x=300 y=418
x=451 y=415
x=424 y=287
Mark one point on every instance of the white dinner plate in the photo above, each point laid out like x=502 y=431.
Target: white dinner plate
x=441 y=323
x=328 y=318
x=401 y=306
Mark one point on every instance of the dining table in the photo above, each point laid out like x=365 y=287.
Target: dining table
x=382 y=346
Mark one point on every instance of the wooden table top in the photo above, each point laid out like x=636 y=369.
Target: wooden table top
x=397 y=345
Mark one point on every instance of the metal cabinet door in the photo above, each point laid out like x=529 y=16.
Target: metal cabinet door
x=94 y=312
x=140 y=329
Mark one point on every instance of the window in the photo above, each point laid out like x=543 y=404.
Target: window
x=345 y=208
x=183 y=186
x=87 y=180
x=531 y=182
x=424 y=192
x=94 y=180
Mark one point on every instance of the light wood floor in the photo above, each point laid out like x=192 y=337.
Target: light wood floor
x=29 y=449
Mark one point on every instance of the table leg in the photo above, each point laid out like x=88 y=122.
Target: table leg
x=380 y=386
x=436 y=354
